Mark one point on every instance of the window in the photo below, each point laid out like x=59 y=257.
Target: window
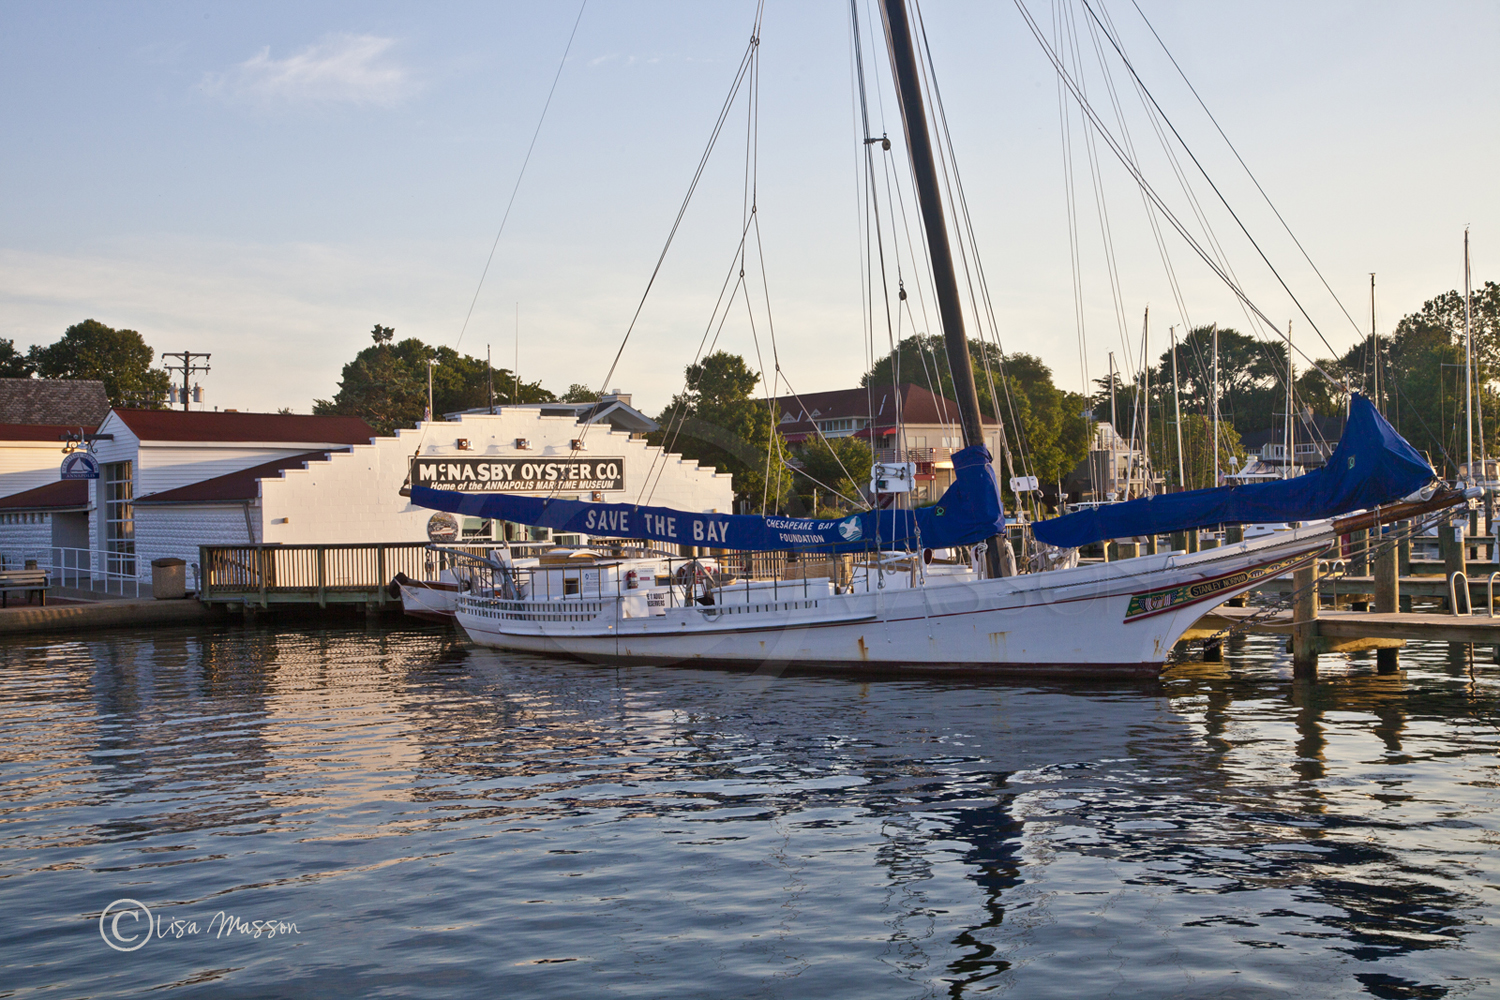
x=119 y=517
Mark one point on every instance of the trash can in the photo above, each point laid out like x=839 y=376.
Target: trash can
x=168 y=579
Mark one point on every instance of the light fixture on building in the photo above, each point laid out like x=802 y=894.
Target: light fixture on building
x=576 y=444
x=522 y=444
x=464 y=445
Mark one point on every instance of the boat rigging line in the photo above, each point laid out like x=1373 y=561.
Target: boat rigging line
x=1156 y=198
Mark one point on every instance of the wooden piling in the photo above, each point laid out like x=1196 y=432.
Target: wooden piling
x=1387 y=601
x=1359 y=563
x=1454 y=552
x=1305 y=622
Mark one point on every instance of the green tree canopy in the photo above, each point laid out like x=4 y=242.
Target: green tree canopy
x=1044 y=426
x=716 y=421
x=120 y=359
x=833 y=476
x=13 y=364
x=386 y=383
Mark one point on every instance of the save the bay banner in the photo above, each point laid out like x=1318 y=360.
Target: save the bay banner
x=968 y=512
x=518 y=475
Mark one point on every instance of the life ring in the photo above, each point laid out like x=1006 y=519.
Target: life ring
x=693 y=574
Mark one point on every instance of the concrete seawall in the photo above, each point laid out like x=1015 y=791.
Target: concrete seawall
x=104 y=614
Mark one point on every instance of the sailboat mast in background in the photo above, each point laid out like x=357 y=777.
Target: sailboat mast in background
x=1216 y=404
x=1468 y=365
x=945 y=279
x=1177 y=411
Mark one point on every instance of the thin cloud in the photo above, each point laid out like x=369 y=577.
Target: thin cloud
x=343 y=69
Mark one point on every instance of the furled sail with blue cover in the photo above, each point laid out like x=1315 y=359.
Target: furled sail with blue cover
x=1372 y=465
x=968 y=512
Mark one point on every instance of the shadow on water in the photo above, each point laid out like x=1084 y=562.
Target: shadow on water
x=448 y=820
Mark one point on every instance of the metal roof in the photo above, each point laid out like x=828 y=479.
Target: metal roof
x=200 y=425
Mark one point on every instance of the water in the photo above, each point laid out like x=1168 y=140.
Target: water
x=438 y=820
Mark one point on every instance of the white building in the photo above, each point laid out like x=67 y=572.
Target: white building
x=172 y=481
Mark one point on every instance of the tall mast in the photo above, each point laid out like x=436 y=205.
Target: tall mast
x=945 y=280
x=1468 y=364
x=1177 y=410
x=1216 y=404
x=1375 y=344
x=1286 y=469
x=1114 y=430
x=1146 y=402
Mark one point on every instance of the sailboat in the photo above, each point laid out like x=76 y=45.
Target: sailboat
x=924 y=589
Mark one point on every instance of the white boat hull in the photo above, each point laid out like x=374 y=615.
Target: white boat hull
x=1121 y=618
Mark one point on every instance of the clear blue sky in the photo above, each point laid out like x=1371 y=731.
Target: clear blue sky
x=267 y=181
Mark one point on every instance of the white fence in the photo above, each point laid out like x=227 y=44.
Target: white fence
x=92 y=570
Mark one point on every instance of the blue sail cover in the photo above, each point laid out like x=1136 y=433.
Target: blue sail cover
x=1372 y=465
x=968 y=512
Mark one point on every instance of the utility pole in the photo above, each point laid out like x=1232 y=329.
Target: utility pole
x=431 y=364
x=187 y=367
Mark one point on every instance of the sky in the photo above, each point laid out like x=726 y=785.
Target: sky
x=268 y=181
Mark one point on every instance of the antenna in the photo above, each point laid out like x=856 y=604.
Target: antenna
x=187 y=368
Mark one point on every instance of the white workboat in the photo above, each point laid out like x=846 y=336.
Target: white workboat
x=881 y=605
x=1118 y=618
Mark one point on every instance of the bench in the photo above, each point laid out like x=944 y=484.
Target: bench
x=27 y=581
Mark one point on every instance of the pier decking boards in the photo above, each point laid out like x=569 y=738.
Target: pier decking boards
x=1347 y=626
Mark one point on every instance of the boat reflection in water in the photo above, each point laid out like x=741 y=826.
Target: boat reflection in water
x=443 y=820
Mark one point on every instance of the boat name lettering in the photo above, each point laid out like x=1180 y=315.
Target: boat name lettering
x=483 y=475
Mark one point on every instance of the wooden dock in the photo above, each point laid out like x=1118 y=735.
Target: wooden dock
x=1348 y=631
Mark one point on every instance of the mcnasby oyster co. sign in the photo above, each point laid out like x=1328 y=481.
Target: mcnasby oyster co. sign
x=518 y=475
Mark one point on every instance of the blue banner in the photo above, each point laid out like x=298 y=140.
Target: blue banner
x=968 y=512
x=1372 y=465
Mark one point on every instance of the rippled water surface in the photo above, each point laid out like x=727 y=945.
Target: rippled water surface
x=440 y=821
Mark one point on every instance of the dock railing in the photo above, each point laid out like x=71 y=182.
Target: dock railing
x=350 y=573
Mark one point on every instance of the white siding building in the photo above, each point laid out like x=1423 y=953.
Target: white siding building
x=172 y=481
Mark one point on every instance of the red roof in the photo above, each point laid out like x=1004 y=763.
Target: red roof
x=199 y=425
x=876 y=403
x=61 y=495
x=233 y=487
x=39 y=432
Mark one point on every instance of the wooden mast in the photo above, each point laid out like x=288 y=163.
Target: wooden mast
x=924 y=169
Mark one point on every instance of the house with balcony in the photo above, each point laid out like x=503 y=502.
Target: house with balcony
x=902 y=423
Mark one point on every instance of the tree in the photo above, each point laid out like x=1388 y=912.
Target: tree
x=834 y=475
x=715 y=421
x=120 y=359
x=579 y=394
x=386 y=383
x=1424 y=375
x=1045 y=430
x=13 y=364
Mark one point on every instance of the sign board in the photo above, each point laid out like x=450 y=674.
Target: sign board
x=495 y=474
x=1023 y=484
x=80 y=465
x=442 y=527
x=893 y=477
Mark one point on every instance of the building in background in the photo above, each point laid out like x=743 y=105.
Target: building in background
x=171 y=482
x=879 y=414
